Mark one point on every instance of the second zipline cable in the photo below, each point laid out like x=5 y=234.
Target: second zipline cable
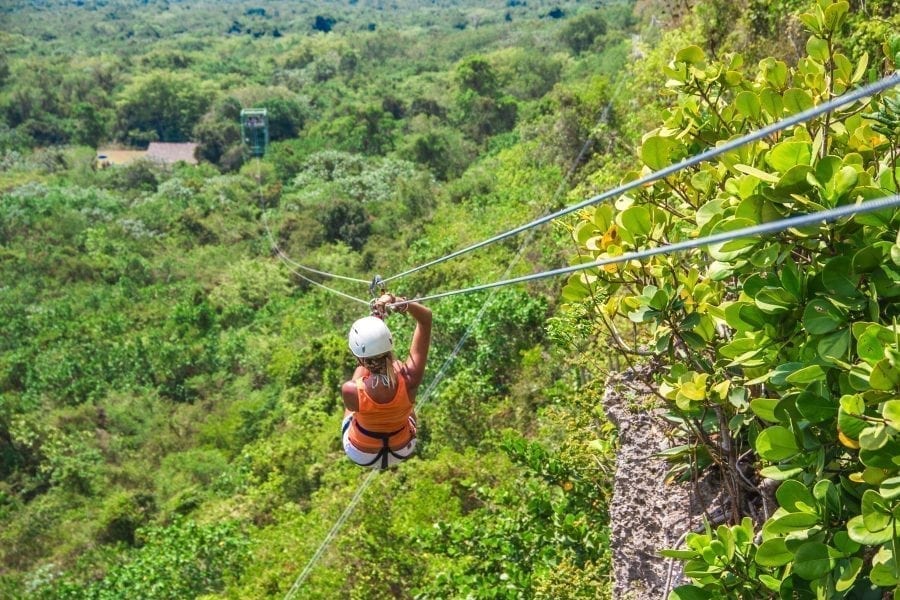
x=772 y=227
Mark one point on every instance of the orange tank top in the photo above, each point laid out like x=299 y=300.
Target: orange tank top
x=387 y=418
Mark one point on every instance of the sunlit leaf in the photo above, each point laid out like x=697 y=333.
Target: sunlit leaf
x=691 y=55
x=776 y=443
x=656 y=152
x=773 y=553
x=795 y=497
x=786 y=155
x=860 y=534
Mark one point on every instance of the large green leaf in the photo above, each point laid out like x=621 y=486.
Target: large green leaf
x=848 y=571
x=773 y=553
x=764 y=408
x=876 y=512
x=793 y=496
x=636 y=219
x=771 y=102
x=787 y=155
x=807 y=374
x=583 y=231
x=890 y=488
x=799 y=521
x=779 y=472
x=795 y=180
x=783 y=371
x=838 y=279
x=891 y=413
x=860 y=533
x=776 y=443
x=656 y=152
x=815 y=408
x=871 y=341
x=692 y=55
x=774 y=300
x=884 y=376
x=884 y=574
x=836 y=14
x=821 y=316
x=812 y=560
x=834 y=346
x=885 y=457
x=748 y=105
x=873 y=437
x=797 y=100
x=843 y=182
x=850 y=425
x=817 y=48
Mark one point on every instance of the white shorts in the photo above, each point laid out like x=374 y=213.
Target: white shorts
x=369 y=459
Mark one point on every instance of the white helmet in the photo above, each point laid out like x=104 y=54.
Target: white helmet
x=369 y=337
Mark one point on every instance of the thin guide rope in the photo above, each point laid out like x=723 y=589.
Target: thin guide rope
x=863 y=92
x=298 y=583
x=286 y=260
x=284 y=257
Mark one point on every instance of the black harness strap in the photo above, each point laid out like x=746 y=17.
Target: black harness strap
x=385 y=449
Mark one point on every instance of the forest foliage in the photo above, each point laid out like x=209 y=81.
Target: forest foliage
x=169 y=412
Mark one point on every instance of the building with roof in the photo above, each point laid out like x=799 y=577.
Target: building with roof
x=171 y=153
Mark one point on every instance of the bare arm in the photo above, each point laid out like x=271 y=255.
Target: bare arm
x=348 y=390
x=421 y=341
x=350 y=396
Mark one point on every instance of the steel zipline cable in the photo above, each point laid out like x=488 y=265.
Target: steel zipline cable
x=819 y=217
x=801 y=117
x=288 y=260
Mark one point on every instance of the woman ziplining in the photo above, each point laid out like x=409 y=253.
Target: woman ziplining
x=379 y=427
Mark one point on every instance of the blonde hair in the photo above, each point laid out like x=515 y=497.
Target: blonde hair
x=382 y=366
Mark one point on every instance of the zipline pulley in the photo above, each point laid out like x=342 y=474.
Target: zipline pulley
x=377 y=287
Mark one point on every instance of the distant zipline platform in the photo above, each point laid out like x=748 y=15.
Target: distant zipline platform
x=255 y=130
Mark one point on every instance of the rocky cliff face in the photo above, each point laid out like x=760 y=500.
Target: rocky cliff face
x=647 y=514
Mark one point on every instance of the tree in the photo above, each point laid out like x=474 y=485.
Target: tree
x=483 y=110
x=347 y=222
x=215 y=138
x=165 y=104
x=581 y=33
x=219 y=132
x=323 y=24
x=477 y=75
x=442 y=149
x=286 y=118
x=89 y=126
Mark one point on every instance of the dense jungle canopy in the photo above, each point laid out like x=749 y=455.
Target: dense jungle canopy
x=170 y=371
